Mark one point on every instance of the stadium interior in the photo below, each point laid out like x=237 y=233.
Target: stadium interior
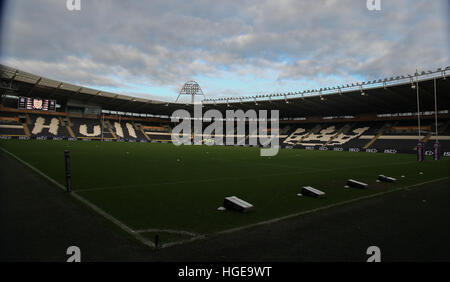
x=220 y=140
x=218 y=190
x=381 y=118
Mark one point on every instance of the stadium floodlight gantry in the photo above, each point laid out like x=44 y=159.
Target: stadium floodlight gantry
x=339 y=89
x=191 y=88
x=383 y=96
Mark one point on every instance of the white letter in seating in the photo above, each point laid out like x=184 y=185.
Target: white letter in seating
x=40 y=124
x=83 y=131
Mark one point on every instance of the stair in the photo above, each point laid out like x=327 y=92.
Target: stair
x=344 y=129
x=380 y=132
x=26 y=129
x=424 y=139
x=69 y=129
x=313 y=131
x=373 y=140
x=107 y=124
x=427 y=137
x=29 y=121
x=138 y=127
x=61 y=121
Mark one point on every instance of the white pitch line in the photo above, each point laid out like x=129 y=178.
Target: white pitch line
x=274 y=220
x=95 y=208
x=195 y=237
x=34 y=169
x=181 y=242
x=176 y=182
x=325 y=207
x=172 y=231
x=144 y=186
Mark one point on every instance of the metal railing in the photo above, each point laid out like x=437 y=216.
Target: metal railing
x=359 y=86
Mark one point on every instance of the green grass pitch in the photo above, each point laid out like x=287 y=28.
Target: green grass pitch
x=163 y=186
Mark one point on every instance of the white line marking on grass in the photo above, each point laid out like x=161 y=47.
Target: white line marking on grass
x=274 y=220
x=95 y=208
x=180 y=242
x=262 y=164
x=144 y=186
x=174 y=182
x=181 y=232
x=326 y=207
x=194 y=236
x=113 y=220
x=34 y=169
x=136 y=234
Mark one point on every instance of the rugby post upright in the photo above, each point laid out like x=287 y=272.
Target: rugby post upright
x=436 y=146
x=420 y=145
x=67 y=161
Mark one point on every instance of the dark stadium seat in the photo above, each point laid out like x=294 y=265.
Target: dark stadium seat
x=47 y=126
x=10 y=125
x=398 y=136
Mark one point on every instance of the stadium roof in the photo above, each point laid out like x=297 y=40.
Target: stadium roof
x=392 y=95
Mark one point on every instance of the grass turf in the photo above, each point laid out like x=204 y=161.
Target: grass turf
x=152 y=185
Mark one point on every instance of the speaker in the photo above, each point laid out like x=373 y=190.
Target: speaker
x=384 y=178
x=312 y=192
x=234 y=203
x=356 y=184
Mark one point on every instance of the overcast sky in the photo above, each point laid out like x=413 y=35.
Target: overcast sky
x=231 y=48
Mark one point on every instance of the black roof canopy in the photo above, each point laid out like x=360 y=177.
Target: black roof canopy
x=393 y=98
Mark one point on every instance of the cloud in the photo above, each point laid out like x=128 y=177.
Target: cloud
x=83 y=71
x=162 y=44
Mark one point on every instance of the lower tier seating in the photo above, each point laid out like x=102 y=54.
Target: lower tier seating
x=399 y=136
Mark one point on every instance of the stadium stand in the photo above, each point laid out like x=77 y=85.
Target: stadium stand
x=47 y=126
x=398 y=136
x=11 y=126
x=157 y=133
x=402 y=138
x=374 y=136
x=380 y=120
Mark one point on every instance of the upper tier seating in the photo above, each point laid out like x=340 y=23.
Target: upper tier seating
x=400 y=135
x=330 y=135
x=89 y=128
x=48 y=126
x=402 y=138
x=125 y=130
x=11 y=126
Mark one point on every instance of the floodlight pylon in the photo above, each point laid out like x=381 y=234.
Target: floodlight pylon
x=191 y=88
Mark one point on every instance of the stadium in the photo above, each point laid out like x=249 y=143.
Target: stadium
x=173 y=192
x=356 y=165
